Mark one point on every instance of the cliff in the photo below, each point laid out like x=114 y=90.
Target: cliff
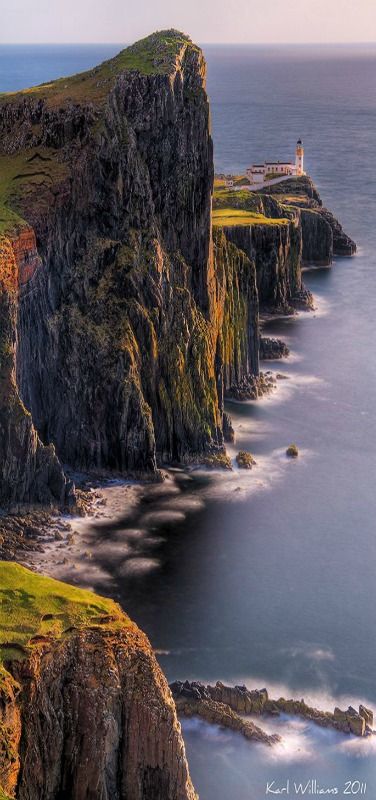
x=276 y=251
x=85 y=711
x=323 y=236
x=130 y=320
x=28 y=470
x=281 y=229
x=117 y=326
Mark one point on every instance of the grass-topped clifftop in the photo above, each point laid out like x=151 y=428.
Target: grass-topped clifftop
x=32 y=606
x=157 y=54
x=38 y=171
x=228 y=217
x=242 y=207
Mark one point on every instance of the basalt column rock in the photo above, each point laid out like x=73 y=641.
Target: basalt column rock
x=118 y=339
x=238 y=308
x=98 y=722
x=29 y=472
x=276 y=251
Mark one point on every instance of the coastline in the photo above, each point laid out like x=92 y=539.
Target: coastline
x=73 y=548
x=62 y=545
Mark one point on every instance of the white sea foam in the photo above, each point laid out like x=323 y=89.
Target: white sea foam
x=138 y=565
x=162 y=516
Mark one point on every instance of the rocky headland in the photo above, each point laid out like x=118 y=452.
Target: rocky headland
x=127 y=315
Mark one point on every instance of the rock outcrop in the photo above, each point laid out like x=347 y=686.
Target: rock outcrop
x=195 y=700
x=272 y=348
x=85 y=711
x=322 y=234
x=257 y=702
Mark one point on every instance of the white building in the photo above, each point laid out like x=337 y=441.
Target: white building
x=257 y=172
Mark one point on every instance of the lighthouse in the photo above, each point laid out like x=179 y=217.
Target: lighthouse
x=299 y=157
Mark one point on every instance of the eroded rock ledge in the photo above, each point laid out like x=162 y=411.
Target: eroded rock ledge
x=196 y=699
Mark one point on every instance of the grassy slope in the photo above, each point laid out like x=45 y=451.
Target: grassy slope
x=154 y=55
x=227 y=217
x=33 y=606
x=31 y=168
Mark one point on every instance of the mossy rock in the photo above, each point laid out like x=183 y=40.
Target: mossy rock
x=292 y=451
x=245 y=460
x=218 y=461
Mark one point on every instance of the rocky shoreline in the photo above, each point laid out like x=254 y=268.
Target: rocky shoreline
x=224 y=705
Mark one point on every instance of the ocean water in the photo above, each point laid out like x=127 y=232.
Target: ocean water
x=268 y=578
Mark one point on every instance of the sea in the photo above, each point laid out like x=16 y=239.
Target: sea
x=268 y=578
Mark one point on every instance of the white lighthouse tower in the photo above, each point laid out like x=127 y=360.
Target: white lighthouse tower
x=299 y=157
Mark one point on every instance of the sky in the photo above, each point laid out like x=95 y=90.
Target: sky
x=259 y=21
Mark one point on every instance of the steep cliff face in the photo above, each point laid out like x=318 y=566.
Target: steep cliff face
x=28 y=470
x=238 y=343
x=323 y=236
x=276 y=251
x=317 y=238
x=85 y=711
x=117 y=335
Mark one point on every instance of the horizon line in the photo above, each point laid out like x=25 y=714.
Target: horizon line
x=202 y=44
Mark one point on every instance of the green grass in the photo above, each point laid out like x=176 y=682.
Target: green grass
x=154 y=55
x=227 y=217
x=240 y=198
x=33 y=606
